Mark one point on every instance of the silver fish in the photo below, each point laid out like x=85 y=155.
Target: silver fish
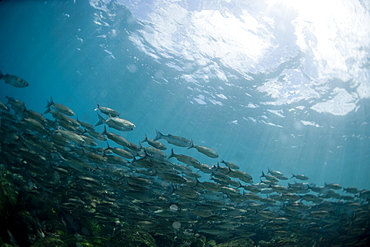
x=204 y=150
x=300 y=177
x=230 y=165
x=116 y=123
x=155 y=144
x=108 y=111
x=185 y=159
x=59 y=108
x=175 y=140
x=13 y=80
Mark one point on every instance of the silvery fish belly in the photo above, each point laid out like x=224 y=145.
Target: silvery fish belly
x=13 y=80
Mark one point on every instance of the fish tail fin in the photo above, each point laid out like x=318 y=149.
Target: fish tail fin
x=101 y=120
x=47 y=110
x=107 y=148
x=292 y=175
x=97 y=107
x=105 y=131
x=49 y=103
x=1 y=75
x=240 y=185
x=268 y=170
x=145 y=140
x=263 y=174
x=229 y=170
x=191 y=144
x=159 y=135
x=172 y=153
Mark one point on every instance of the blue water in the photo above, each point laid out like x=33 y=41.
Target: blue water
x=266 y=85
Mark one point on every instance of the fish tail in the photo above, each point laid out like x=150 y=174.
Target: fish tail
x=145 y=140
x=104 y=131
x=240 y=185
x=159 y=135
x=191 y=144
x=229 y=170
x=1 y=75
x=172 y=153
x=97 y=107
x=47 y=110
x=49 y=103
x=108 y=148
x=101 y=120
x=263 y=174
x=292 y=176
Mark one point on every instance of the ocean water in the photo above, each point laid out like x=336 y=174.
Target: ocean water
x=265 y=85
x=283 y=85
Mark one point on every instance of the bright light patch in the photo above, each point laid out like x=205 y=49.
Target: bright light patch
x=302 y=49
x=341 y=104
x=200 y=36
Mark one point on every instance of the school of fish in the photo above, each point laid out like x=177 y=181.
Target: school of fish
x=103 y=175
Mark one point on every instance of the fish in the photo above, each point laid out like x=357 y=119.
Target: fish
x=277 y=174
x=333 y=186
x=185 y=159
x=121 y=152
x=175 y=140
x=107 y=111
x=71 y=136
x=352 y=190
x=154 y=144
x=3 y=107
x=13 y=80
x=59 y=108
x=154 y=152
x=96 y=135
x=34 y=125
x=63 y=119
x=172 y=178
x=230 y=164
x=17 y=105
x=56 y=162
x=204 y=150
x=116 y=123
x=270 y=177
x=278 y=188
x=87 y=126
x=116 y=138
x=300 y=177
